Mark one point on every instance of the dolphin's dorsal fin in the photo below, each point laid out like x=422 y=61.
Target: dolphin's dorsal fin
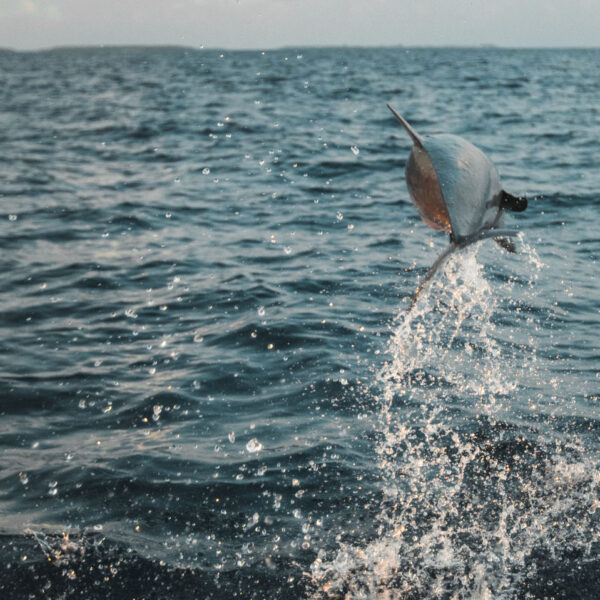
x=416 y=138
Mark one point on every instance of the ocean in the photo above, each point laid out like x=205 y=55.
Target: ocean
x=210 y=386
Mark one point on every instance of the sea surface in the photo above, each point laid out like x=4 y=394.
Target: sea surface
x=210 y=386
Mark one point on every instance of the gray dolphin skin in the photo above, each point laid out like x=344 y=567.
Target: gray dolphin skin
x=456 y=188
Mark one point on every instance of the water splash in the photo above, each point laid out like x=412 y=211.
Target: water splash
x=472 y=505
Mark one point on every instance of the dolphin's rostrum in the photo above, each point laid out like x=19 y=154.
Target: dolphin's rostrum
x=456 y=188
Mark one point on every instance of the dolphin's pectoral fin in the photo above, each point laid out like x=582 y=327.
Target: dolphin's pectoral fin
x=506 y=243
x=484 y=234
x=510 y=202
x=501 y=237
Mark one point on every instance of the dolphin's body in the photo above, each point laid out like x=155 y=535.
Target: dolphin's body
x=456 y=188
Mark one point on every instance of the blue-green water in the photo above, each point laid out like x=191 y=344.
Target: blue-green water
x=209 y=387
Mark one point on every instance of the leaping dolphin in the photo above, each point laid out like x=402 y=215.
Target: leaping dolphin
x=456 y=188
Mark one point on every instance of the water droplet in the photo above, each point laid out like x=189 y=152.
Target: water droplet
x=355 y=150
x=254 y=446
x=206 y=171
x=253 y=520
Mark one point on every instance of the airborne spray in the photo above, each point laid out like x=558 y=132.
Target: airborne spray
x=474 y=503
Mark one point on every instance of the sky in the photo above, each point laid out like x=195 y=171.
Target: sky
x=36 y=24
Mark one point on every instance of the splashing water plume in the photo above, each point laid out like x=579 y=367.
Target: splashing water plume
x=468 y=500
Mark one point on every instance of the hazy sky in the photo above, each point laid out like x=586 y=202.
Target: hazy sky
x=30 y=24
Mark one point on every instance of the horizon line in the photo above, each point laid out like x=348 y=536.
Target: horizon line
x=482 y=46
